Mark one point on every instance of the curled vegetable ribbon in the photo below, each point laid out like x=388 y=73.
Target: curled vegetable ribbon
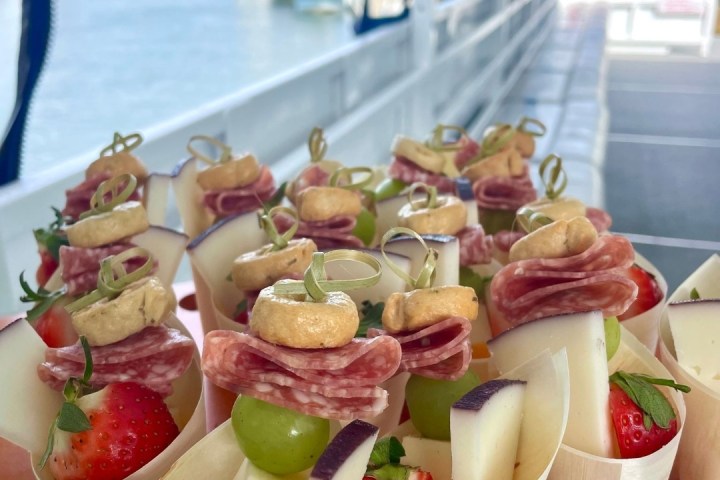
x=437 y=140
x=556 y=179
x=346 y=173
x=317 y=145
x=523 y=127
x=427 y=273
x=530 y=220
x=225 y=150
x=430 y=201
x=498 y=139
x=99 y=205
x=113 y=278
x=315 y=284
x=278 y=240
x=127 y=142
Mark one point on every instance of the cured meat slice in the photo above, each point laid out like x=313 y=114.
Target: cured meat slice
x=242 y=199
x=333 y=233
x=311 y=176
x=504 y=193
x=600 y=219
x=469 y=149
x=81 y=265
x=475 y=246
x=339 y=383
x=441 y=351
x=406 y=171
x=77 y=199
x=593 y=280
x=505 y=239
x=153 y=357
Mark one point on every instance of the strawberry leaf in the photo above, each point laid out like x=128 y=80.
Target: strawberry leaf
x=49 y=446
x=277 y=197
x=53 y=237
x=386 y=451
x=240 y=308
x=72 y=419
x=656 y=409
x=371 y=317
x=694 y=294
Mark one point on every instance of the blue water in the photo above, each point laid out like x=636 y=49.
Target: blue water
x=118 y=65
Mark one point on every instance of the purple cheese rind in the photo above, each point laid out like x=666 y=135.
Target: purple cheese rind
x=341 y=447
x=478 y=396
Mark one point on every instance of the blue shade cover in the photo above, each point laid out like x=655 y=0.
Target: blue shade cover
x=36 y=24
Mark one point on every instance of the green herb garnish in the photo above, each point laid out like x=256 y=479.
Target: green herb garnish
x=44 y=299
x=694 y=294
x=656 y=409
x=371 y=317
x=53 y=237
x=468 y=278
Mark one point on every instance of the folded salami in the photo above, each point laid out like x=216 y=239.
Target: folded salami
x=408 y=172
x=154 y=357
x=241 y=199
x=335 y=232
x=600 y=219
x=441 y=351
x=504 y=193
x=80 y=265
x=339 y=383
x=475 y=247
x=595 y=279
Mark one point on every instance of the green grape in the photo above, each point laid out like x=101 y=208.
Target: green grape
x=612 y=336
x=389 y=188
x=276 y=439
x=429 y=402
x=365 y=227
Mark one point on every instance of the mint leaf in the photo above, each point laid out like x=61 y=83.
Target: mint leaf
x=694 y=294
x=72 y=419
x=655 y=407
x=371 y=317
x=386 y=450
x=468 y=278
x=391 y=472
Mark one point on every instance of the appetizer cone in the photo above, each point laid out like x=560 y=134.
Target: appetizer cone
x=25 y=392
x=645 y=325
x=694 y=459
x=572 y=463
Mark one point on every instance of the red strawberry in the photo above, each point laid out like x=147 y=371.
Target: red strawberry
x=415 y=474
x=131 y=425
x=649 y=293
x=55 y=326
x=644 y=420
x=47 y=267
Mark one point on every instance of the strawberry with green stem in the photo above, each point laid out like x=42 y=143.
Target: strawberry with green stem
x=643 y=418
x=108 y=434
x=48 y=316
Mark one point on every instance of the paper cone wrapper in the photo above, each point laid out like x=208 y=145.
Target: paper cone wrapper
x=645 y=325
x=211 y=256
x=570 y=463
x=187 y=405
x=697 y=457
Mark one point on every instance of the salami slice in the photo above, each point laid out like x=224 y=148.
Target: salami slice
x=406 y=171
x=242 y=199
x=593 y=280
x=504 y=193
x=475 y=247
x=81 y=265
x=339 y=383
x=469 y=149
x=154 y=357
x=505 y=239
x=311 y=176
x=441 y=351
x=600 y=219
x=333 y=233
x=77 y=199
